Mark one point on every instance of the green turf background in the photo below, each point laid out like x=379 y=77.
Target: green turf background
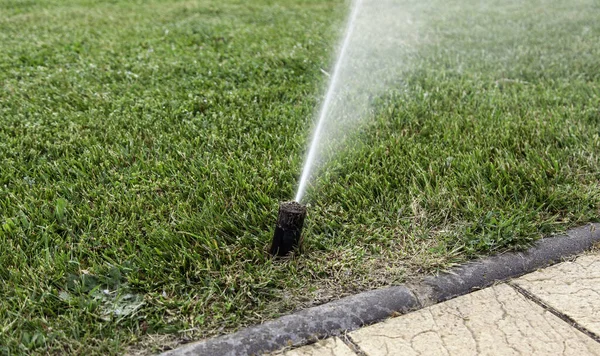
x=145 y=145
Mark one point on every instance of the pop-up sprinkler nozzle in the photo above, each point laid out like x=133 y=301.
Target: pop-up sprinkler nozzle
x=288 y=231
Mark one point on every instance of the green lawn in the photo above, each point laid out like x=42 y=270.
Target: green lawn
x=145 y=146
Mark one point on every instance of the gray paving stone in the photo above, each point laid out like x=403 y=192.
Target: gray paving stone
x=572 y=288
x=494 y=321
x=329 y=347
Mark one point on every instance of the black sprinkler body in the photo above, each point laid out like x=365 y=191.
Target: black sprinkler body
x=288 y=231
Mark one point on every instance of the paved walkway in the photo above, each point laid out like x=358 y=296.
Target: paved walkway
x=554 y=311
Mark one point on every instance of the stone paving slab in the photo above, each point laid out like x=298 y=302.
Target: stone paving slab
x=493 y=321
x=329 y=347
x=572 y=288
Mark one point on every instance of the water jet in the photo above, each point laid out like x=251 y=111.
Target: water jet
x=370 y=53
x=288 y=231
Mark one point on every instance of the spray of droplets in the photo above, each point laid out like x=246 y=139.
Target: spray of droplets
x=370 y=56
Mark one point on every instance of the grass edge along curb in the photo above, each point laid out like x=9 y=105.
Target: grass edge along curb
x=353 y=312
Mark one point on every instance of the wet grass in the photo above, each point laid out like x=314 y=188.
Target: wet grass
x=144 y=147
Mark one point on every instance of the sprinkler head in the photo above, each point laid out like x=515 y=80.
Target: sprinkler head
x=288 y=231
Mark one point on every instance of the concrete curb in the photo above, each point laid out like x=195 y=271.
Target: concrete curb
x=366 y=308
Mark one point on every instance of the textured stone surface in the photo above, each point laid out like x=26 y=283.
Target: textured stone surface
x=494 y=321
x=572 y=288
x=309 y=324
x=329 y=347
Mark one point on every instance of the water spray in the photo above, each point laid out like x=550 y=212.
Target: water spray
x=310 y=159
x=288 y=231
x=371 y=52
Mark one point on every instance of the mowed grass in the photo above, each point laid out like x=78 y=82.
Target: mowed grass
x=145 y=146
